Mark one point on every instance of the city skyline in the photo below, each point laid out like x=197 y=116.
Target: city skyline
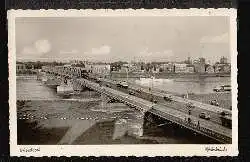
x=127 y=39
x=131 y=61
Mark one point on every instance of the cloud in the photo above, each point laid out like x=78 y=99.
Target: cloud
x=224 y=38
x=103 y=50
x=43 y=46
x=39 y=48
x=74 y=51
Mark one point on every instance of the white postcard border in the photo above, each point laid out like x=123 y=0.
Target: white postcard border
x=121 y=150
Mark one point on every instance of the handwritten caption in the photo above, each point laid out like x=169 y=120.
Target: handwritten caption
x=29 y=149
x=215 y=148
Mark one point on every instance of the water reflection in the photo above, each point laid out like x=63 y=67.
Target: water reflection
x=198 y=85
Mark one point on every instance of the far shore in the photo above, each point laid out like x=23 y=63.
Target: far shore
x=167 y=75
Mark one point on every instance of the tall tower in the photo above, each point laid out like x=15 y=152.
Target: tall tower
x=189 y=60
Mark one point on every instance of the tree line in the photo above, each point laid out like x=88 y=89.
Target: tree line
x=39 y=64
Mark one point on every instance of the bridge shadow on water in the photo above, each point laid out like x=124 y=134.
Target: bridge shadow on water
x=99 y=134
x=110 y=131
x=156 y=131
x=156 y=126
x=29 y=134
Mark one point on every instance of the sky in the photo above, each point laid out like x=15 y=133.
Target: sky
x=123 y=38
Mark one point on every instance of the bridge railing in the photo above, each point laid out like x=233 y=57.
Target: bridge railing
x=139 y=105
x=193 y=126
x=124 y=99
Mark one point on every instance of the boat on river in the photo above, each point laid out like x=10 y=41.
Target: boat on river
x=223 y=88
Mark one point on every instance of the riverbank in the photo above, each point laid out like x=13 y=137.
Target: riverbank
x=71 y=122
x=64 y=122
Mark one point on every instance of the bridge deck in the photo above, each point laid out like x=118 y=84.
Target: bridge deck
x=160 y=93
x=205 y=127
x=203 y=123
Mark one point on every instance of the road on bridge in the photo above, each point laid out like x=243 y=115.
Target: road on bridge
x=163 y=109
x=178 y=103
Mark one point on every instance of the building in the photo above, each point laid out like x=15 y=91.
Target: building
x=227 y=68
x=168 y=67
x=202 y=60
x=209 y=69
x=180 y=68
x=199 y=65
x=99 y=68
x=190 y=69
x=124 y=68
x=222 y=68
x=188 y=61
x=156 y=69
x=131 y=67
x=20 y=67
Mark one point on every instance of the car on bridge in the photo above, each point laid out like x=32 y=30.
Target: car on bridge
x=97 y=80
x=168 y=98
x=153 y=100
x=122 y=84
x=204 y=116
x=131 y=92
x=214 y=102
x=108 y=85
x=190 y=105
x=138 y=90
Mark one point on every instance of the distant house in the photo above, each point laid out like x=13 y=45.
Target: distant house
x=209 y=69
x=227 y=68
x=189 y=69
x=99 y=68
x=223 y=60
x=124 y=68
x=168 y=67
x=222 y=68
x=180 y=67
x=199 y=65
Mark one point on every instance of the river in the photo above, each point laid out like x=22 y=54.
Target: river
x=195 y=85
x=68 y=122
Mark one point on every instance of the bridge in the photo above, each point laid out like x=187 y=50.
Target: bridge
x=216 y=131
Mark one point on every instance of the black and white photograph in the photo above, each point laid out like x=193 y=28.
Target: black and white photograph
x=123 y=80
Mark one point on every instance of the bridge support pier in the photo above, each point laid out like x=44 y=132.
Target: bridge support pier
x=50 y=80
x=65 y=87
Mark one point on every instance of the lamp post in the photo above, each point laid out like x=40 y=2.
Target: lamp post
x=152 y=85
x=127 y=74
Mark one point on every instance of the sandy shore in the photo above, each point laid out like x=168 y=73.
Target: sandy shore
x=68 y=122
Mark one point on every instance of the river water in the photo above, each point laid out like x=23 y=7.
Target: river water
x=89 y=123
x=195 y=85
